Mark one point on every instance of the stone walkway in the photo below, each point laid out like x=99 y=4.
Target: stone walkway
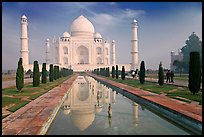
x=12 y=83
x=31 y=119
x=190 y=110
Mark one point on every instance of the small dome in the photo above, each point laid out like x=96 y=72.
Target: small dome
x=98 y=35
x=24 y=17
x=47 y=40
x=113 y=41
x=82 y=24
x=66 y=34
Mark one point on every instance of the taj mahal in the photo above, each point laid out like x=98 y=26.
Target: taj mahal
x=80 y=48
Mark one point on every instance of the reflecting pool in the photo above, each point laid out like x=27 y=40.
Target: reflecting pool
x=92 y=108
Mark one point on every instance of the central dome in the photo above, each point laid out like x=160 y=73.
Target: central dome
x=81 y=25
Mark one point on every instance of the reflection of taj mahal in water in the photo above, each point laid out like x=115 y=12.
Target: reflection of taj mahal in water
x=87 y=98
x=80 y=49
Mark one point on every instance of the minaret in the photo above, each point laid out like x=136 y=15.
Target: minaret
x=24 y=41
x=113 y=52
x=47 y=58
x=134 y=52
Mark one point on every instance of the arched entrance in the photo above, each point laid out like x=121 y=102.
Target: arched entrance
x=82 y=55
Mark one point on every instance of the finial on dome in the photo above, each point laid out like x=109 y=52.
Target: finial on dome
x=81 y=12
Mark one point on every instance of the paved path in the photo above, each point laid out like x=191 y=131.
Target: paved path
x=31 y=119
x=190 y=110
x=11 y=83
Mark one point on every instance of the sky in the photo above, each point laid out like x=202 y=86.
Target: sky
x=162 y=27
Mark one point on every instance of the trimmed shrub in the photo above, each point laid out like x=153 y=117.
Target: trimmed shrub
x=161 y=74
x=142 y=72
x=51 y=73
x=108 y=72
x=194 y=79
x=113 y=72
x=116 y=72
x=36 y=74
x=20 y=76
x=123 y=73
x=55 y=72
x=44 y=75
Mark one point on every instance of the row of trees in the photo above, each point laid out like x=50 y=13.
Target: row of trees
x=54 y=74
x=106 y=72
x=194 y=72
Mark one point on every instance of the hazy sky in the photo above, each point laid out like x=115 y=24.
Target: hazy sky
x=162 y=27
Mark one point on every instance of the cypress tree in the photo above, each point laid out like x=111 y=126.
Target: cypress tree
x=161 y=75
x=116 y=73
x=142 y=72
x=108 y=72
x=20 y=76
x=36 y=74
x=58 y=72
x=123 y=73
x=194 y=79
x=55 y=72
x=44 y=75
x=113 y=72
x=51 y=73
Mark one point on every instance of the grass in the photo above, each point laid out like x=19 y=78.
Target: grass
x=28 y=91
x=8 y=100
x=171 y=90
x=18 y=105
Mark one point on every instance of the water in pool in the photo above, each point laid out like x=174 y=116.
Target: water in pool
x=92 y=108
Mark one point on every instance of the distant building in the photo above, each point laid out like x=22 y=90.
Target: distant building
x=174 y=57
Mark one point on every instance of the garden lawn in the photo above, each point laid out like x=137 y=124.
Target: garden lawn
x=28 y=93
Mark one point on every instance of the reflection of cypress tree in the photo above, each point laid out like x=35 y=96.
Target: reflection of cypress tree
x=20 y=76
x=51 y=73
x=194 y=72
x=44 y=75
x=161 y=75
x=142 y=73
x=36 y=74
x=116 y=73
x=113 y=72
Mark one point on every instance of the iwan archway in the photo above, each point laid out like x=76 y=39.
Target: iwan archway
x=82 y=55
